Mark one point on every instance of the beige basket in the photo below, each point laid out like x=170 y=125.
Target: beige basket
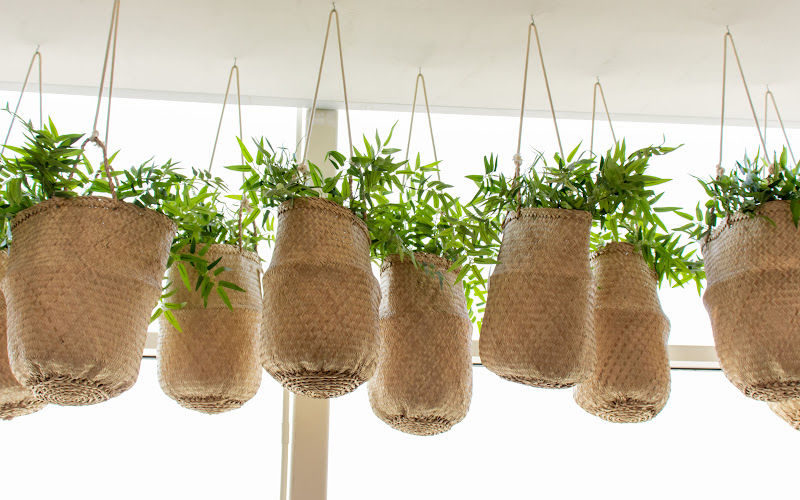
x=423 y=383
x=319 y=335
x=537 y=326
x=753 y=299
x=214 y=365
x=83 y=277
x=788 y=410
x=631 y=380
x=15 y=400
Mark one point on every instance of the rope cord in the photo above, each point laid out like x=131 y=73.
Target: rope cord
x=769 y=95
x=36 y=55
x=598 y=86
x=421 y=78
x=243 y=202
x=726 y=37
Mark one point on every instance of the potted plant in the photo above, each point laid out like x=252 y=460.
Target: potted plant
x=429 y=247
x=751 y=242
x=634 y=253
x=537 y=325
x=319 y=335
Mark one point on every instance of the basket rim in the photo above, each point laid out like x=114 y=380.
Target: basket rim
x=730 y=220
x=323 y=204
x=439 y=263
x=547 y=213
x=227 y=249
x=100 y=202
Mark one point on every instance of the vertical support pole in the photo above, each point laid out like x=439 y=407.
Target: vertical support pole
x=304 y=471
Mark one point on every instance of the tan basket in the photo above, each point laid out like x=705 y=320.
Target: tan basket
x=83 y=277
x=753 y=299
x=423 y=383
x=537 y=326
x=214 y=365
x=15 y=400
x=788 y=410
x=319 y=336
x=631 y=380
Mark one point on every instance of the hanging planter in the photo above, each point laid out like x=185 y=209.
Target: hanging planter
x=15 y=400
x=423 y=383
x=631 y=380
x=788 y=410
x=212 y=364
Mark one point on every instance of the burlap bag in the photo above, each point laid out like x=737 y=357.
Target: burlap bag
x=423 y=383
x=214 y=364
x=83 y=277
x=15 y=400
x=537 y=326
x=788 y=410
x=319 y=335
x=753 y=299
x=631 y=379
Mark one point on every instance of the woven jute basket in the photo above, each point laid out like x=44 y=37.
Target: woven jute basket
x=214 y=364
x=537 y=327
x=423 y=383
x=753 y=299
x=15 y=400
x=83 y=277
x=788 y=410
x=631 y=379
x=319 y=335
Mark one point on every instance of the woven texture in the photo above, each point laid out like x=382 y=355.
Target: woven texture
x=319 y=335
x=631 y=379
x=788 y=410
x=83 y=277
x=213 y=365
x=537 y=327
x=15 y=400
x=423 y=383
x=753 y=299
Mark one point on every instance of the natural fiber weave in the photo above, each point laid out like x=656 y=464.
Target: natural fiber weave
x=631 y=379
x=319 y=334
x=214 y=365
x=423 y=383
x=788 y=410
x=753 y=299
x=15 y=400
x=83 y=277
x=537 y=327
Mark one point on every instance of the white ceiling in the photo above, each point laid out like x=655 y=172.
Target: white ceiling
x=656 y=59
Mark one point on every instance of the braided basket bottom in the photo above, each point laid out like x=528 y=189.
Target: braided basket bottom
x=540 y=382
x=779 y=390
x=789 y=411
x=210 y=404
x=67 y=391
x=21 y=407
x=320 y=384
x=420 y=426
x=626 y=410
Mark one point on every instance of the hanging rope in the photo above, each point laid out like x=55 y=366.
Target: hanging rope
x=243 y=202
x=726 y=37
x=36 y=56
x=421 y=78
x=111 y=47
x=597 y=86
x=769 y=95
x=517 y=156
x=333 y=15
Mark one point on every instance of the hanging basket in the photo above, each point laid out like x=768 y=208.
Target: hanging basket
x=537 y=326
x=788 y=410
x=15 y=400
x=320 y=329
x=213 y=365
x=753 y=299
x=83 y=277
x=631 y=379
x=423 y=383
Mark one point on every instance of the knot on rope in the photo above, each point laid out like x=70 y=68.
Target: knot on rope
x=303 y=169
x=518 y=160
x=771 y=169
x=720 y=171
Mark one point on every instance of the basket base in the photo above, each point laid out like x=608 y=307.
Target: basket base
x=780 y=390
x=22 y=407
x=320 y=384
x=211 y=405
x=626 y=411
x=67 y=391
x=540 y=382
x=420 y=426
